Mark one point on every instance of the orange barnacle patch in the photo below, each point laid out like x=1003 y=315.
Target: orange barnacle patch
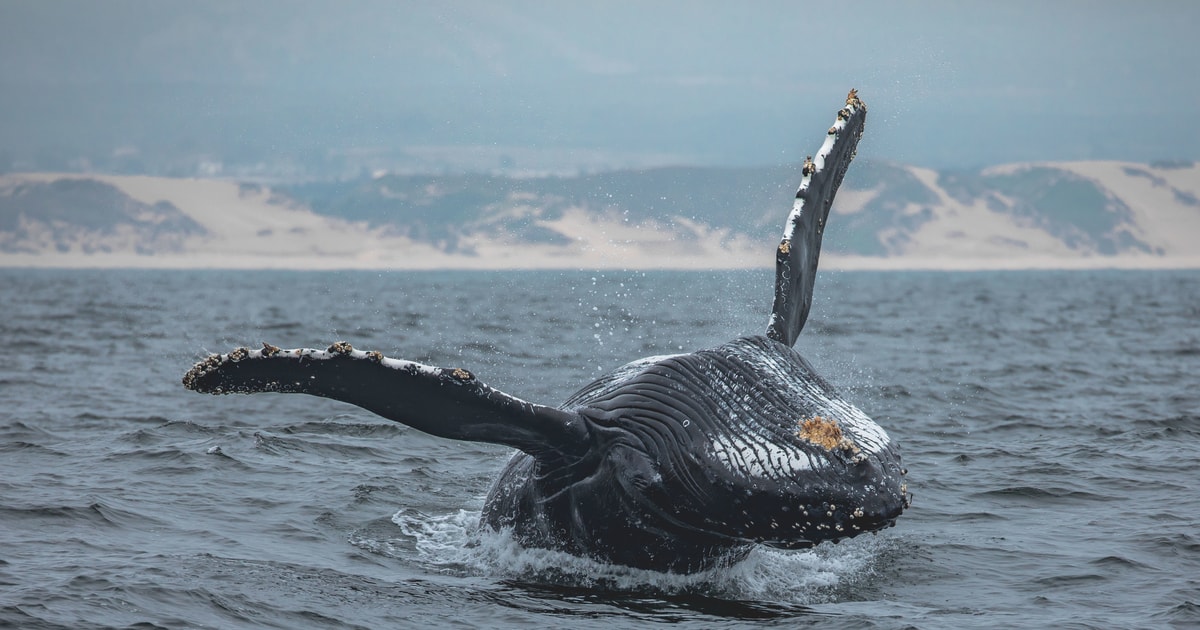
x=785 y=247
x=826 y=434
x=461 y=374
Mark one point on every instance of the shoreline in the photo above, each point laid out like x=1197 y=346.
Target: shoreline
x=252 y=229
x=585 y=263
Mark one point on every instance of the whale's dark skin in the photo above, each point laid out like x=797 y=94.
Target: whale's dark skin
x=677 y=463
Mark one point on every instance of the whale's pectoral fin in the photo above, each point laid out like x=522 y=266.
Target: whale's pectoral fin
x=448 y=403
x=796 y=259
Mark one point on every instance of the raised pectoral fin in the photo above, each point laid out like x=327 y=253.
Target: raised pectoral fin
x=448 y=403
x=796 y=258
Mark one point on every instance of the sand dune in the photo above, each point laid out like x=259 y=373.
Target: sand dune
x=246 y=227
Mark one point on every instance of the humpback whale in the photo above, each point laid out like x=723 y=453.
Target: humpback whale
x=672 y=463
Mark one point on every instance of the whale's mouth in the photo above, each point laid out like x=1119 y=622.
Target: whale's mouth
x=799 y=543
x=834 y=534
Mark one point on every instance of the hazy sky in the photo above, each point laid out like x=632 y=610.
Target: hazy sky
x=948 y=84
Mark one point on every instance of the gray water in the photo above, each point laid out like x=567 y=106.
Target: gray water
x=1050 y=423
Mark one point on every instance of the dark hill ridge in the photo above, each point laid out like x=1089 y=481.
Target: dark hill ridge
x=89 y=214
x=441 y=207
x=1076 y=210
x=444 y=209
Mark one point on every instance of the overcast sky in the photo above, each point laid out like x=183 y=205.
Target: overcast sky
x=949 y=84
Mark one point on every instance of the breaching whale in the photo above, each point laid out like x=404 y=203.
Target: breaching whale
x=672 y=463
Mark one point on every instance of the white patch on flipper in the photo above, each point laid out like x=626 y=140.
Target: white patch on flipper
x=819 y=164
x=322 y=355
x=402 y=365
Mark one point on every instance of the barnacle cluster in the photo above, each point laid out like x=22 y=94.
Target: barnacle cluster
x=340 y=347
x=826 y=434
x=200 y=369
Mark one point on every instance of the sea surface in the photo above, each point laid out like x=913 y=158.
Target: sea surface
x=1050 y=423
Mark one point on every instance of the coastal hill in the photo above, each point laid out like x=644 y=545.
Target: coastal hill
x=887 y=216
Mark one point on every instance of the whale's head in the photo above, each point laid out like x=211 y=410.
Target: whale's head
x=746 y=443
x=786 y=491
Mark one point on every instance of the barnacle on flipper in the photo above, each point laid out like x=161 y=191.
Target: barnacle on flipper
x=201 y=369
x=268 y=350
x=852 y=99
x=826 y=434
x=340 y=347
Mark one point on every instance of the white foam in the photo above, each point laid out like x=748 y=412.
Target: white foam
x=454 y=543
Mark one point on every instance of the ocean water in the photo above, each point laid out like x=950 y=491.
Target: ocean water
x=1050 y=422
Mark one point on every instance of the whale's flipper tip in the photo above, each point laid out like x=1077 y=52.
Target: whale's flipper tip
x=799 y=249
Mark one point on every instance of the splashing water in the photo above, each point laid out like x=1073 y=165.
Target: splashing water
x=454 y=543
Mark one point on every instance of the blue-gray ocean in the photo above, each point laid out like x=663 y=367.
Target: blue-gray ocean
x=1050 y=423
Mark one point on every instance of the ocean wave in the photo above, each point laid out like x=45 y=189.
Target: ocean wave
x=99 y=513
x=343 y=425
x=1043 y=495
